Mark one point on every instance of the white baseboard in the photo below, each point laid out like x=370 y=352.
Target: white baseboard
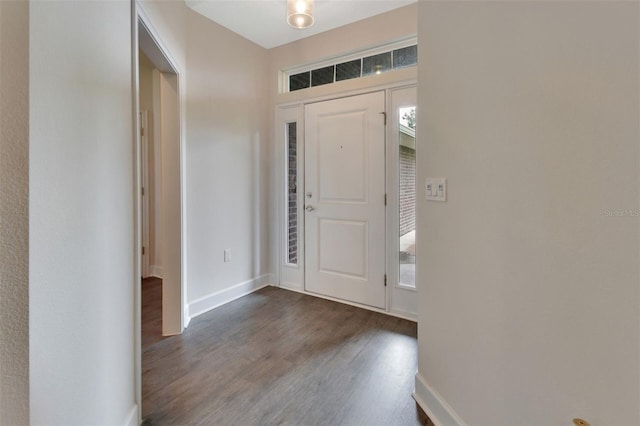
x=297 y=289
x=133 y=419
x=155 y=271
x=292 y=286
x=404 y=314
x=213 y=300
x=187 y=318
x=434 y=405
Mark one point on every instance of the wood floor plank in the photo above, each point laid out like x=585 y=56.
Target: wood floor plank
x=277 y=357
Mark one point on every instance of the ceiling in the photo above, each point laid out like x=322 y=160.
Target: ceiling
x=264 y=21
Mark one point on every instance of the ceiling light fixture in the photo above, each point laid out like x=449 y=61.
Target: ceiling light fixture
x=300 y=13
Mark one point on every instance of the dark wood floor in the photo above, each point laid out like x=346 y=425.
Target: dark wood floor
x=279 y=357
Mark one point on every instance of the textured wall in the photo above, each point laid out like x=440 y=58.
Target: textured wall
x=528 y=279
x=14 y=213
x=81 y=240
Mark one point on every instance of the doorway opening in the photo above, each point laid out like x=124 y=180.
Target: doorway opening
x=160 y=205
x=164 y=168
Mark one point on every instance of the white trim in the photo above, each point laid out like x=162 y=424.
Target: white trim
x=407 y=130
x=219 y=298
x=356 y=305
x=155 y=271
x=400 y=297
x=411 y=316
x=144 y=187
x=293 y=119
x=137 y=221
x=283 y=115
x=155 y=35
x=434 y=405
x=292 y=286
x=185 y=315
x=405 y=287
x=133 y=418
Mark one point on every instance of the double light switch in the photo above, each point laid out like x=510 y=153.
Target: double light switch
x=436 y=189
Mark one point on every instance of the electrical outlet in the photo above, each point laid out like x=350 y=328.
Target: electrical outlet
x=227 y=255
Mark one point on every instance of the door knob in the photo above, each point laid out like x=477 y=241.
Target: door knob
x=309 y=208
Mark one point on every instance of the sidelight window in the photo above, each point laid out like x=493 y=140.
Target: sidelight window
x=292 y=193
x=407 y=195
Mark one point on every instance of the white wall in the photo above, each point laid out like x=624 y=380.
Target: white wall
x=227 y=163
x=225 y=129
x=14 y=213
x=528 y=289
x=81 y=214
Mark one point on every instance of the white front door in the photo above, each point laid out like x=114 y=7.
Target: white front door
x=345 y=198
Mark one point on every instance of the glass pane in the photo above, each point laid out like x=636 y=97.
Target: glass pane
x=376 y=64
x=348 y=70
x=407 y=195
x=299 y=81
x=405 y=57
x=322 y=76
x=292 y=194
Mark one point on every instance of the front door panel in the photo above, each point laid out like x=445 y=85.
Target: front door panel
x=345 y=190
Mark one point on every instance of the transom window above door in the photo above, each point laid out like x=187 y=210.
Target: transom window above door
x=372 y=61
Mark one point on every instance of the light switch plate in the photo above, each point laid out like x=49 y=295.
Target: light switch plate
x=436 y=189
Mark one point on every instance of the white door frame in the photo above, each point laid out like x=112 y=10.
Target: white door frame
x=139 y=17
x=293 y=278
x=144 y=171
x=401 y=299
x=290 y=275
